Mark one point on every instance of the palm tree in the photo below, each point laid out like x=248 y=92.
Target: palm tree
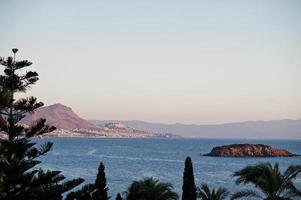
x=151 y=189
x=273 y=184
x=205 y=193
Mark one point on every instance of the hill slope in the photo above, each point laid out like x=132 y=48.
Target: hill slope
x=286 y=128
x=62 y=117
x=69 y=124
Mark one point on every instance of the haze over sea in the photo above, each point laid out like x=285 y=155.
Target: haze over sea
x=127 y=160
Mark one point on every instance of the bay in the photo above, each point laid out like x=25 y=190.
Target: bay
x=127 y=160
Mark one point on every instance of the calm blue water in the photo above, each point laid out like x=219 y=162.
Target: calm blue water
x=132 y=159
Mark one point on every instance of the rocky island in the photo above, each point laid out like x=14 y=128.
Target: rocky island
x=248 y=150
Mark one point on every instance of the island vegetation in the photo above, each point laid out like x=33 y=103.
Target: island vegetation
x=21 y=179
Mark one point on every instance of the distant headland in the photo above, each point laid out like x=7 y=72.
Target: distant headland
x=248 y=150
x=69 y=124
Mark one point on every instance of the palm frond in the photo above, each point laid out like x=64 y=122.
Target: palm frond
x=204 y=192
x=244 y=194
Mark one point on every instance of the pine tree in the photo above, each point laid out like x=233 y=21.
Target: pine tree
x=19 y=176
x=189 y=188
x=101 y=189
x=118 y=197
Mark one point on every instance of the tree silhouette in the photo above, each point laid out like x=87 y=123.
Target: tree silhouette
x=101 y=189
x=118 y=196
x=95 y=191
x=189 y=188
x=272 y=184
x=19 y=176
x=151 y=189
x=204 y=193
x=85 y=193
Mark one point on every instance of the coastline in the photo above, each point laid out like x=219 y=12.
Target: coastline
x=99 y=136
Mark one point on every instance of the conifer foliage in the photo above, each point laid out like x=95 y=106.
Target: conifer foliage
x=20 y=178
x=118 y=197
x=101 y=189
x=189 y=188
x=95 y=191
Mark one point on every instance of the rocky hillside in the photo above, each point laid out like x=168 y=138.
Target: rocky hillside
x=248 y=150
x=62 y=117
x=69 y=124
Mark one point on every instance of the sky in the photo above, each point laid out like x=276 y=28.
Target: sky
x=167 y=61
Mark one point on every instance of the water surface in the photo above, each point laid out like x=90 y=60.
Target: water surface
x=132 y=159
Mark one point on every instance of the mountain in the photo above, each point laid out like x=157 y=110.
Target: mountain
x=69 y=124
x=62 y=117
x=275 y=129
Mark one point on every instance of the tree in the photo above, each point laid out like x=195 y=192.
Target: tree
x=204 y=193
x=189 y=188
x=118 y=196
x=273 y=184
x=101 y=189
x=151 y=189
x=3 y=100
x=19 y=176
x=85 y=193
x=95 y=191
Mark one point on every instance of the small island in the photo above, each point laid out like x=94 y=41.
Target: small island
x=248 y=150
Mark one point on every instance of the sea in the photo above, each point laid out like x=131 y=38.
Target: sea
x=127 y=160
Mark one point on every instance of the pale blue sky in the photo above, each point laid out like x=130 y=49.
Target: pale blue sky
x=167 y=61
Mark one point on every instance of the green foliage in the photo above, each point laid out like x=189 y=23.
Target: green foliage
x=151 y=189
x=19 y=176
x=189 y=188
x=96 y=191
x=273 y=184
x=204 y=193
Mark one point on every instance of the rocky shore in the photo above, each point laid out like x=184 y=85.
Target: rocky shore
x=248 y=150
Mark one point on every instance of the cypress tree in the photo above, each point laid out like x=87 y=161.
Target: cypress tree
x=101 y=189
x=19 y=176
x=189 y=188
x=118 y=197
x=95 y=191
